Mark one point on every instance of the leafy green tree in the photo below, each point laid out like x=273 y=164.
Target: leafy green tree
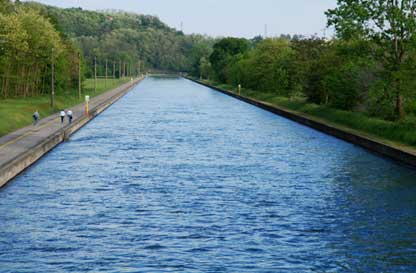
x=5 y=6
x=205 y=68
x=307 y=52
x=223 y=52
x=391 y=25
x=28 y=40
x=199 y=49
x=339 y=73
x=241 y=72
x=271 y=60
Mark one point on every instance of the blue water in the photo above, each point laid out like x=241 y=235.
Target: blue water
x=176 y=177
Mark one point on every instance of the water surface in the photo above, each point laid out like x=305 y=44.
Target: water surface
x=176 y=177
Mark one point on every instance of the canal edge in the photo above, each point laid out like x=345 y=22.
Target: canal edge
x=369 y=144
x=19 y=164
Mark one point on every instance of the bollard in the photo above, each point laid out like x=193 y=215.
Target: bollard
x=87 y=100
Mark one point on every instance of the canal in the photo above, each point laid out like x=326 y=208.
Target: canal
x=176 y=177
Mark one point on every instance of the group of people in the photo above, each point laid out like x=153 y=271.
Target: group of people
x=62 y=114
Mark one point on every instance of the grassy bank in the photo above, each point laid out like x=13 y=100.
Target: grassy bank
x=16 y=113
x=401 y=134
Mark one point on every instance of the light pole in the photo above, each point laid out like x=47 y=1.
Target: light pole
x=79 y=76
x=95 y=75
x=119 y=70
x=53 y=81
x=114 y=71
x=106 y=71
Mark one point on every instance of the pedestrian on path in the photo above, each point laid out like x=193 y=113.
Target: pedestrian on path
x=62 y=115
x=69 y=114
x=35 y=118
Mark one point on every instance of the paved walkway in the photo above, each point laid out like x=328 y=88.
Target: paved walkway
x=22 y=140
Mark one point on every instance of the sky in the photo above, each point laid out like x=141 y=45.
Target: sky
x=238 y=18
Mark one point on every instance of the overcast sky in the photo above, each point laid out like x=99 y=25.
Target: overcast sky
x=242 y=18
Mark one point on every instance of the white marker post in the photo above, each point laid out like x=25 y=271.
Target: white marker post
x=87 y=100
x=239 y=89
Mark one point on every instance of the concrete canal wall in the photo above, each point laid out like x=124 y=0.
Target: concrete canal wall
x=13 y=166
x=406 y=156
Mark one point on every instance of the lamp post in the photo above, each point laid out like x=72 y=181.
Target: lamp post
x=119 y=70
x=95 y=75
x=53 y=81
x=79 y=76
x=114 y=71
x=106 y=72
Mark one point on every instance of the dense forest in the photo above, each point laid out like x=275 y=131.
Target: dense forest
x=128 y=38
x=33 y=36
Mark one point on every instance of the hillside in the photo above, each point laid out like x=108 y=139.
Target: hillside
x=126 y=37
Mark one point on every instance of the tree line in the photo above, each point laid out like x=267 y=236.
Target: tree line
x=369 y=66
x=33 y=36
x=128 y=37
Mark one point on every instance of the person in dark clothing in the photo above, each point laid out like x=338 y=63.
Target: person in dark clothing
x=62 y=115
x=69 y=114
x=35 y=118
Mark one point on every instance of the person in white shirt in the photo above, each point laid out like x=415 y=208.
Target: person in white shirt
x=62 y=115
x=69 y=114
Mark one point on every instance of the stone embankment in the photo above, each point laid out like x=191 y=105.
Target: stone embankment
x=406 y=155
x=22 y=148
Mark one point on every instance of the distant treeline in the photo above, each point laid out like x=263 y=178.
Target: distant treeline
x=32 y=34
x=370 y=66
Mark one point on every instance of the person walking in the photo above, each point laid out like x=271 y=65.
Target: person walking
x=35 y=118
x=62 y=115
x=69 y=114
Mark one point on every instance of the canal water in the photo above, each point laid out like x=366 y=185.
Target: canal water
x=176 y=177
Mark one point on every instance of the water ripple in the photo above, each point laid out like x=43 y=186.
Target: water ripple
x=178 y=178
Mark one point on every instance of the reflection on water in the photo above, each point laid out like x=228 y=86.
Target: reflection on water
x=177 y=177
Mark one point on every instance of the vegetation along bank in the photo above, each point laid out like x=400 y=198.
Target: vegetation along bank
x=362 y=78
x=76 y=44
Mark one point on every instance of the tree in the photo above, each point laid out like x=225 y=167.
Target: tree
x=5 y=6
x=223 y=52
x=391 y=25
x=270 y=66
x=199 y=49
x=28 y=39
x=307 y=51
x=205 y=68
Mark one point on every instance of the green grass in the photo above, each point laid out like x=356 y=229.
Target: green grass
x=402 y=134
x=16 y=113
